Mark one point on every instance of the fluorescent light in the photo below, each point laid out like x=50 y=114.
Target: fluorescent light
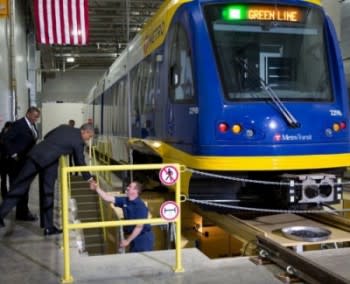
x=70 y=59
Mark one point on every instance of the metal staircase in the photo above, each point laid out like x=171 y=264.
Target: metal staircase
x=88 y=210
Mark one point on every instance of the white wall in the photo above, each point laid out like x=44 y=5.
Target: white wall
x=345 y=37
x=54 y=114
x=345 y=29
x=63 y=97
x=70 y=86
x=333 y=9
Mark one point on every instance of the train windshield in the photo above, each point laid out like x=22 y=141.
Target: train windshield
x=282 y=47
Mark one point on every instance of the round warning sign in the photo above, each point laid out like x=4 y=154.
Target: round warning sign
x=168 y=175
x=169 y=210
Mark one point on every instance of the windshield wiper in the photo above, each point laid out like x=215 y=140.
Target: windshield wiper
x=291 y=120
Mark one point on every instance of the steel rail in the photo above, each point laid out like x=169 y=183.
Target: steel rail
x=296 y=264
x=336 y=221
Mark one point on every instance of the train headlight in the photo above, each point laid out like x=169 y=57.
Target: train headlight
x=236 y=128
x=223 y=127
x=336 y=127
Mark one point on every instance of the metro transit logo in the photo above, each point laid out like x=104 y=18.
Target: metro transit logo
x=277 y=137
x=296 y=137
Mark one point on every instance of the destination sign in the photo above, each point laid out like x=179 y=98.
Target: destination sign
x=274 y=14
x=262 y=13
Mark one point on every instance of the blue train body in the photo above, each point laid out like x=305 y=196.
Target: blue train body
x=240 y=87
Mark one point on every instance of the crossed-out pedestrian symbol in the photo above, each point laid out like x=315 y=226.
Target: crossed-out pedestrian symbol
x=168 y=175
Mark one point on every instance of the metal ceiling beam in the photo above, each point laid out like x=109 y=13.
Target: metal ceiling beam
x=93 y=3
x=108 y=29
x=83 y=54
x=108 y=33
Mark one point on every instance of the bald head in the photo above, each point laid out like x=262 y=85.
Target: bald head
x=87 y=131
x=33 y=114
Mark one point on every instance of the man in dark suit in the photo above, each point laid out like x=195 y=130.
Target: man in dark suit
x=3 y=160
x=18 y=141
x=43 y=159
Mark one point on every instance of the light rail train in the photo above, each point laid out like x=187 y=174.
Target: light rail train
x=250 y=89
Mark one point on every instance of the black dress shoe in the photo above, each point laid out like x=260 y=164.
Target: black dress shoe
x=2 y=224
x=29 y=217
x=52 y=231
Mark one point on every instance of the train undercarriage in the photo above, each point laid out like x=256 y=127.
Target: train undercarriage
x=276 y=190
x=285 y=191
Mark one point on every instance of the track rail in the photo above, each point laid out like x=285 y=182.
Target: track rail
x=297 y=265
x=336 y=221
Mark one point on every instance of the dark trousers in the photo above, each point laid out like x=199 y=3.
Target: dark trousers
x=15 y=167
x=21 y=185
x=3 y=176
x=143 y=242
x=47 y=179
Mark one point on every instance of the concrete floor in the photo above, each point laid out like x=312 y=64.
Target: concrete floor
x=26 y=256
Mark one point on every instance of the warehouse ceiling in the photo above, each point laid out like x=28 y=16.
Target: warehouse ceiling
x=108 y=35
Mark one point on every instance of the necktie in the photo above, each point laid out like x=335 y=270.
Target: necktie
x=35 y=134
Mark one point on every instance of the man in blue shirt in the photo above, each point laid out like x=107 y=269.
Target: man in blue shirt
x=140 y=237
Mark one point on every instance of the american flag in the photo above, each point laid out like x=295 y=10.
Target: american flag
x=62 y=22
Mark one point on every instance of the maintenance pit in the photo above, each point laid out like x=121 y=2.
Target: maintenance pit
x=216 y=235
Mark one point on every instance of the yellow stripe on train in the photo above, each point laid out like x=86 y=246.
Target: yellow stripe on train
x=318 y=2
x=170 y=154
x=156 y=29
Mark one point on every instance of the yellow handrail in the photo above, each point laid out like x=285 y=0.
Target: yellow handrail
x=64 y=170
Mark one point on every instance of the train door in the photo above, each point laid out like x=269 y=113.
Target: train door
x=182 y=110
x=267 y=71
x=276 y=70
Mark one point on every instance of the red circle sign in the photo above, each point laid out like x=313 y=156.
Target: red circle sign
x=168 y=175
x=169 y=210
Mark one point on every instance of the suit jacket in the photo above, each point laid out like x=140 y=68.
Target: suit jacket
x=19 y=139
x=62 y=140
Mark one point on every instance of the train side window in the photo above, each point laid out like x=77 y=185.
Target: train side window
x=150 y=89
x=123 y=109
x=180 y=72
x=114 y=108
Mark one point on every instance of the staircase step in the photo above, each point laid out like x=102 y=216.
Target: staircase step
x=88 y=206
x=74 y=178
x=80 y=191
x=95 y=250
x=94 y=231
x=89 y=219
x=93 y=239
x=88 y=214
x=85 y=198
x=81 y=188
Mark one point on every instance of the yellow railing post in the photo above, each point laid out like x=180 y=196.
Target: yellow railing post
x=67 y=277
x=178 y=266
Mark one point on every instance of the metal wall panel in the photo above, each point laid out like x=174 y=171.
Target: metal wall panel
x=4 y=80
